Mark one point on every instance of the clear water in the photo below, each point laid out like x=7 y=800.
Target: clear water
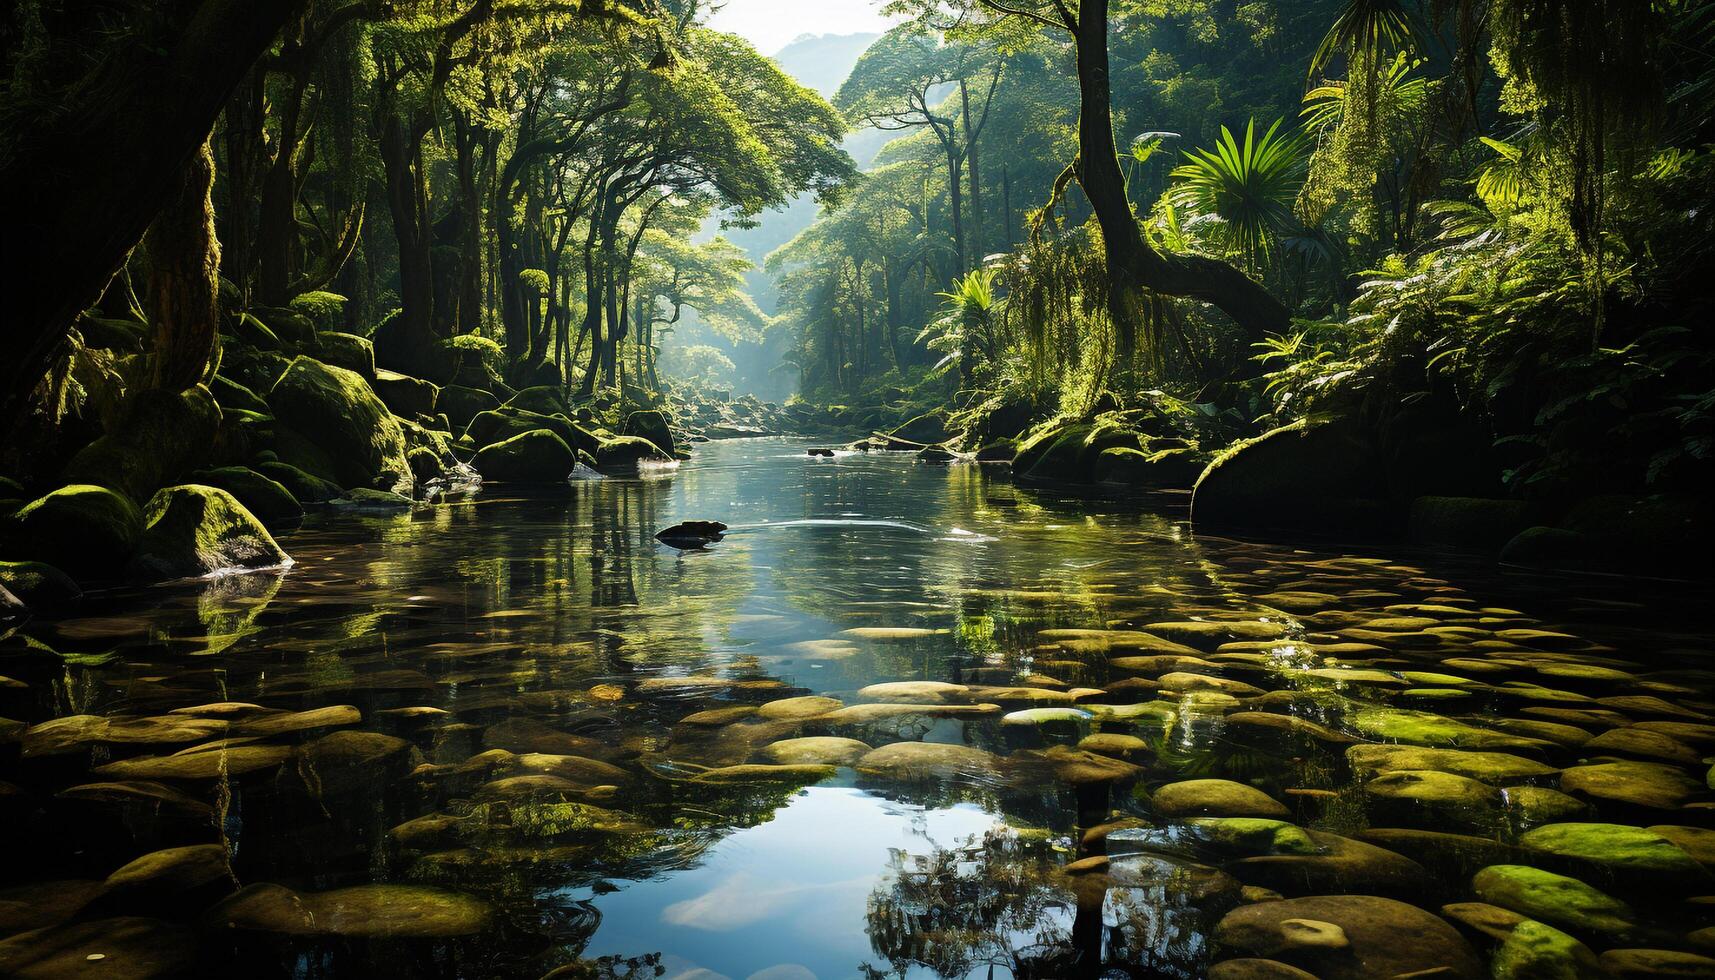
x=553 y=623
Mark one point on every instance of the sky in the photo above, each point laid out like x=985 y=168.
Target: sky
x=772 y=24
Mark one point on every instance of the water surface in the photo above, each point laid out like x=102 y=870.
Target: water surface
x=544 y=703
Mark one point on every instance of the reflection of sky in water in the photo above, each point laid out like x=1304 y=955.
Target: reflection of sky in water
x=781 y=901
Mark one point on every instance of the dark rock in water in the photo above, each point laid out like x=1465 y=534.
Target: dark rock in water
x=652 y=425
x=195 y=530
x=86 y=531
x=1351 y=936
x=818 y=451
x=538 y=456
x=507 y=421
x=338 y=413
x=925 y=429
x=542 y=399
x=691 y=534
x=626 y=452
x=998 y=451
x=131 y=947
x=158 y=439
x=1319 y=477
x=303 y=486
x=1071 y=452
x=937 y=454
x=271 y=502
x=38 y=585
x=1467 y=523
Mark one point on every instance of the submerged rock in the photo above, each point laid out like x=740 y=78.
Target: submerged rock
x=690 y=535
x=129 y=947
x=1623 y=850
x=927 y=760
x=1216 y=798
x=271 y=502
x=1382 y=938
x=365 y=911
x=1495 y=768
x=1555 y=899
x=820 y=750
x=194 y=530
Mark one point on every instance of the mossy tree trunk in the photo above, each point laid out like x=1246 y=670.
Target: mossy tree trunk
x=184 y=278
x=82 y=185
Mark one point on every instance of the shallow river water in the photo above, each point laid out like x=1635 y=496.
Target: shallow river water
x=905 y=720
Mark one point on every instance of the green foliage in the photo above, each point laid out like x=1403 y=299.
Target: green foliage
x=1250 y=186
x=1363 y=31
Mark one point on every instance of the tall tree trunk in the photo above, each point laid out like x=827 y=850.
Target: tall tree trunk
x=407 y=202
x=1133 y=265
x=973 y=161
x=81 y=186
x=956 y=200
x=184 y=280
x=277 y=230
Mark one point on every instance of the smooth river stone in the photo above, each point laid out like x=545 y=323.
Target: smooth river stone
x=1496 y=768
x=819 y=750
x=175 y=868
x=237 y=761
x=1440 y=791
x=1621 y=849
x=927 y=760
x=1558 y=900
x=1644 y=744
x=364 y=911
x=1432 y=730
x=1216 y=798
x=797 y=709
x=299 y=721
x=1341 y=864
x=1384 y=938
x=1637 y=964
x=1644 y=784
x=1180 y=683
x=915 y=692
x=1209 y=635
x=127 y=947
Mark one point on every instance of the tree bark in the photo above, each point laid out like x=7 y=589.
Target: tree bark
x=184 y=280
x=1133 y=264
x=81 y=186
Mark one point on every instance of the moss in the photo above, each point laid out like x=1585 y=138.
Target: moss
x=650 y=424
x=269 y=500
x=404 y=395
x=538 y=456
x=461 y=404
x=197 y=529
x=1253 y=835
x=336 y=411
x=87 y=531
x=1437 y=731
x=505 y=422
x=159 y=437
x=1311 y=475
x=347 y=351
x=543 y=400
x=1554 y=899
x=38 y=585
x=1070 y=452
x=1614 y=846
x=1534 y=951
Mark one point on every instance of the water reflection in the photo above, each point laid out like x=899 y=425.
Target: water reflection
x=512 y=736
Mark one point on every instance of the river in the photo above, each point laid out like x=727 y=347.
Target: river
x=498 y=737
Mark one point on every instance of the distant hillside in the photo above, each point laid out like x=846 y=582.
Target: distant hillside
x=822 y=62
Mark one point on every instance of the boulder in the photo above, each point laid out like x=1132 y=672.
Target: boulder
x=89 y=532
x=272 y=503
x=347 y=351
x=537 y=456
x=542 y=399
x=158 y=438
x=406 y=396
x=229 y=394
x=1555 y=899
x=38 y=585
x=626 y=452
x=1321 y=476
x=1069 y=452
x=652 y=425
x=194 y=530
x=1216 y=798
x=461 y=405
x=505 y=422
x=301 y=485
x=338 y=413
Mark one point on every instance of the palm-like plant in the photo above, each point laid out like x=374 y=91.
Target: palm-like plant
x=1363 y=29
x=1249 y=185
x=968 y=322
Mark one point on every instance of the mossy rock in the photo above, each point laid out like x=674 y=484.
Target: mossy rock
x=925 y=429
x=1617 y=848
x=537 y=456
x=624 y=453
x=1216 y=797
x=1432 y=730
x=652 y=425
x=1071 y=452
x=347 y=351
x=461 y=404
x=1476 y=524
x=38 y=585
x=159 y=437
x=363 y=911
x=194 y=530
x=1322 y=476
x=301 y=485
x=1164 y=469
x=88 y=532
x=1252 y=835
x=268 y=500
x=256 y=370
x=1382 y=938
x=229 y=394
x=1535 y=951
x=1494 y=768
x=542 y=399
x=1555 y=899
x=337 y=411
x=505 y=422
x=406 y=396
